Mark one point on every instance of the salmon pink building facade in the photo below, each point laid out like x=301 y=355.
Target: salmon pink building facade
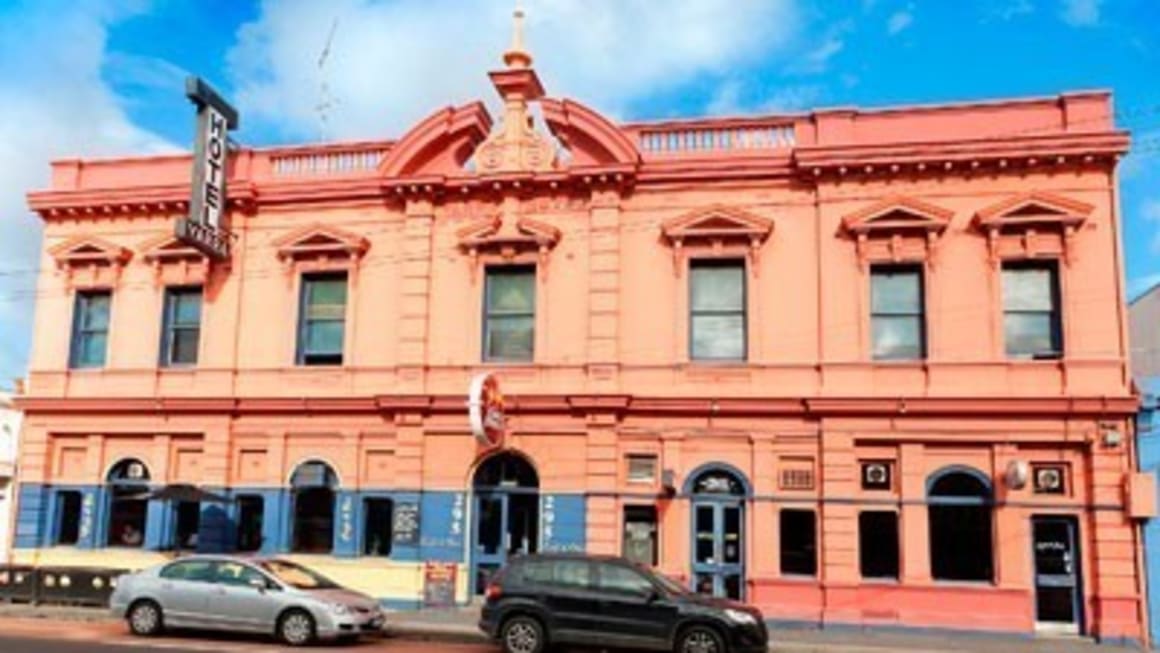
x=858 y=367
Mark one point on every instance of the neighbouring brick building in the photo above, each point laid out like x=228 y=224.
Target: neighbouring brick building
x=854 y=366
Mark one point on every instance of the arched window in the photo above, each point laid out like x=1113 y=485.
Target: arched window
x=128 y=487
x=960 y=525
x=313 y=484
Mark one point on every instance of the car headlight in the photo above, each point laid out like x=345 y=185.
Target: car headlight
x=338 y=608
x=739 y=617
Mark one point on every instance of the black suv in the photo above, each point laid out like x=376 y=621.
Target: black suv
x=609 y=602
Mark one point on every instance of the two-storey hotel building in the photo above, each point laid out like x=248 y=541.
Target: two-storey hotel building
x=861 y=367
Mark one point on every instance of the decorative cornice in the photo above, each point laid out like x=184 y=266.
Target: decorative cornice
x=969 y=407
x=964 y=155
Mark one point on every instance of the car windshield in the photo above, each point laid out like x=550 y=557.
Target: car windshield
x=671 y=586
x=297 y=576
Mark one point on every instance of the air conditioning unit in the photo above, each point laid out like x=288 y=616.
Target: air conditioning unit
x=876 y=476
x=1049 y=480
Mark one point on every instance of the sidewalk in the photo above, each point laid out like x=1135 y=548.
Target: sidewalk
x=459 y=625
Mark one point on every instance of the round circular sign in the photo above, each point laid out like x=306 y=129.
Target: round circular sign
x=485 y=410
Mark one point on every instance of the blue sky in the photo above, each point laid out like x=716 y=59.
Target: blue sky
x=90 y=78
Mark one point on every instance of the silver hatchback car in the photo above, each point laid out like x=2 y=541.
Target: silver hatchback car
x=258 y=595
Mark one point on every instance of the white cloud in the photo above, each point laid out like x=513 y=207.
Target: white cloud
x=734 y=98
x=393 y=63
x=899 y=21
x=55 y=105
x=1081 y=13
x=1009 y=9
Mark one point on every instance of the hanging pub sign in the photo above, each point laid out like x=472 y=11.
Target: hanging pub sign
x=203 y=228
x=485 y=410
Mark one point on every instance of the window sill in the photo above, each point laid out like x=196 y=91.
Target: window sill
x=881 y=581
x=798 y=578
x=965 y=584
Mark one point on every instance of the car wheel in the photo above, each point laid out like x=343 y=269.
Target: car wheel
x=145 y=619
x=522 y=635
x=700 y=639
x=296 y=628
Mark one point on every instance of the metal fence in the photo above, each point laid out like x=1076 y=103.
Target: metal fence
x=88 y=586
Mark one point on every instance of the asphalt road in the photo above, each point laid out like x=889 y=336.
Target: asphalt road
x=201 y=644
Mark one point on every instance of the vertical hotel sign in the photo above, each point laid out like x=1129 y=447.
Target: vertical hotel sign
x=203 y=228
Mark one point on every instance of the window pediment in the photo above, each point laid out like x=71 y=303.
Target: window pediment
x=321 y=241
x=508 y=240
x=1034 y=209
x=1032 y=224
x=90 y=261
x=719 y=230
x=168 y=249
x=89 y=250
x=174 y=261
x=897 y=229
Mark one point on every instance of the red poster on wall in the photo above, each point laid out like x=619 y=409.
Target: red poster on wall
x=439 y=584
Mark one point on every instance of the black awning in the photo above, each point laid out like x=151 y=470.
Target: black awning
x=185 y=492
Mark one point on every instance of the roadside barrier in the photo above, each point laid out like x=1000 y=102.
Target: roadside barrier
x=88 y=586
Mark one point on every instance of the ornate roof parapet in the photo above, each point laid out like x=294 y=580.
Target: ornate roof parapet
x=516 y=146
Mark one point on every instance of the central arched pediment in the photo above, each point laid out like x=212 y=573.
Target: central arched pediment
x=590 y=138
x=441 y=144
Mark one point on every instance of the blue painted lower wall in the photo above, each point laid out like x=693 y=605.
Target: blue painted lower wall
x=441 y=535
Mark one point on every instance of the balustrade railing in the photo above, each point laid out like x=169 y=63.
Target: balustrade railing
x=691 y=139
x=326 y=162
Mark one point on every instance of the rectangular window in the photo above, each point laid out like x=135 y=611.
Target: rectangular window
x=68 y=517
x=878 y=544
x=799 y=552
x=640 y=534
x=717 y=329
x=188 y=524
x=90 y=335
x=642 y=468
x=378 y=515
x=509 y=321
x=251 y=515
x=322 y=319
x=1031 y=321
x=181 y=326
x=897 y=319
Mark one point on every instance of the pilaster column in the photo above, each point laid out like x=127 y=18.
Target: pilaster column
x=915 y=537
x=604 y=290
x=603 y=513
x=839 y=523
x=414 y=294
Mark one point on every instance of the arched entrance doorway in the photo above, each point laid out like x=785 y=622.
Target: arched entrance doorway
x=959 y=517
x=718 y=529
x=128 y=488
x=313 y=485
x=506 y=516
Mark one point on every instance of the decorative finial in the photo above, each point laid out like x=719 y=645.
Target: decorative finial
x=516 y=56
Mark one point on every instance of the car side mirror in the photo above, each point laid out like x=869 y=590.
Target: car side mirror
x=259 y=584
x=652 y=596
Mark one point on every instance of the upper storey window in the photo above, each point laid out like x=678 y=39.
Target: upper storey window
x=322 y=319
x=897 y=312
x=509 y=331
x=717 y=318
x=1031 y=319
x=90 y=334
x=181 y=329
